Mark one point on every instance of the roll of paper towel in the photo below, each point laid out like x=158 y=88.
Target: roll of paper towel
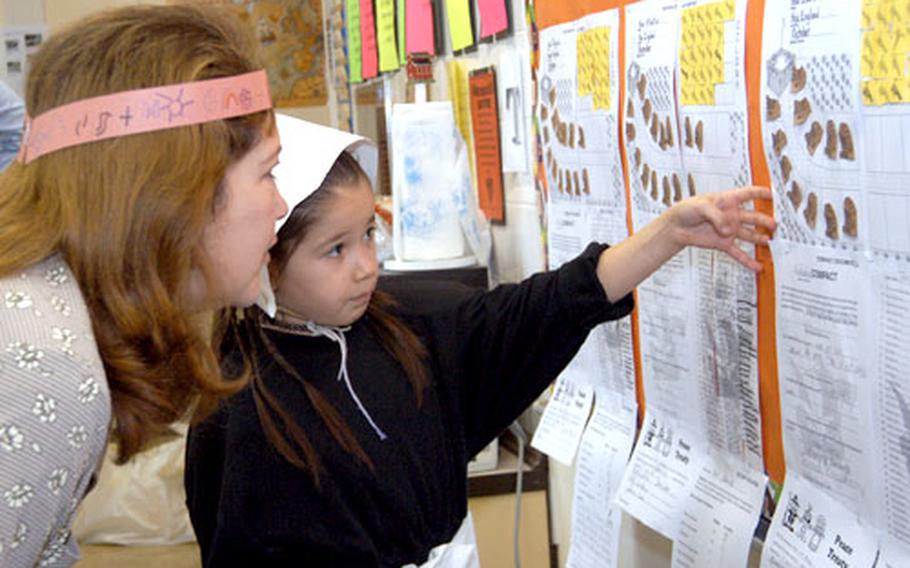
x=425 y=179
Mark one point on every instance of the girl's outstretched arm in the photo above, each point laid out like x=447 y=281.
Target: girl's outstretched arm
x=714 y=220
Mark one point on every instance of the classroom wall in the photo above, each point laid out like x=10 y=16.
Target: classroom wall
x=59 y=13
x=518 y=247
x=518 y=250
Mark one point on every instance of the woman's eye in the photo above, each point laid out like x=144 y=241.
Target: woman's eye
x=335 y=250
x=371 y=232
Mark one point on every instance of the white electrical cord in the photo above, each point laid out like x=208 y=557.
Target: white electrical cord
x=521 y=438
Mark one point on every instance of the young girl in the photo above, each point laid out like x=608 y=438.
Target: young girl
x=350 y=446
x=124 y=216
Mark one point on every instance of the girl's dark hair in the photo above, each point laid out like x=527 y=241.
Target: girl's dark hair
x=279 y=425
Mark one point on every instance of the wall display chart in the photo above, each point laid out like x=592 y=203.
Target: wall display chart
x=639 y=105
x=696 y=475
x=836 y=129
x=578 y=117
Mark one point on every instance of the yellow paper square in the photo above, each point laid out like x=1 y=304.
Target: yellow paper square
x=869 y=15
x=866 y=89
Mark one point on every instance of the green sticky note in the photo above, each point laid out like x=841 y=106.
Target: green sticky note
x=460 y=27
x=385 y=32
x=399 y=15
x=352 y=13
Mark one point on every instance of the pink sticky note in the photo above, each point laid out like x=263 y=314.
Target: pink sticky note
x=419 y=26
x=493 y=18
x=368 y=40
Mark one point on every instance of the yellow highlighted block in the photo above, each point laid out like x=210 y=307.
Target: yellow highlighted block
x=885 y=58
x=593 y=55
x=702 y=54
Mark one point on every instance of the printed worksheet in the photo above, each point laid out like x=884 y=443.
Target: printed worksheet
x=699 y=354
x=577 y=111
x=836 y=118
x=704 y=500
x=811 y=121
x=602 y=458
x=578 y=114
x=657 y=178
x=891 y=396
x=720 y=516
x=811 y=530
x=824 y=344
x=660 y=476
x=711 y=90
x=685 y=133
x=564 y=419
x=667 y=319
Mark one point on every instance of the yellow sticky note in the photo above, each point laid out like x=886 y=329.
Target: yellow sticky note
x=882 y=91
x=896 y=65
x=869 y=15
x=593 y=53
x=460 y=27
x=884 y=68
x=901 y=39
x=868 y=38
x=887 y=13
x=866 y=89
x=385 y=35
x=900 y=91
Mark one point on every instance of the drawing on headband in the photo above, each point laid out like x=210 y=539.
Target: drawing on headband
x=144 y=110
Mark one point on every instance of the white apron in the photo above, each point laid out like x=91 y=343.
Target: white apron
x=461 y=552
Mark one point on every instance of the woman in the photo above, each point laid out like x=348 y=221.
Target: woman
x=124 y=217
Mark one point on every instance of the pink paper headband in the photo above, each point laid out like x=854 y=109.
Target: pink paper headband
x=144 y=110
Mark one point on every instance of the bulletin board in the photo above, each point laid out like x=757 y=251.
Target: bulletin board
x=555 y=12
x=798 y=374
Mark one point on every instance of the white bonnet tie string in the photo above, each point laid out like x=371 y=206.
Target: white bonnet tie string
x=336 y=334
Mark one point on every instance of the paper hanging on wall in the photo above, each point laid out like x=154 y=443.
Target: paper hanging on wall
x=516 y=112
x=493 y=17
x=457 y=75
x=385 y=32
x=21 y=42
x=485 y=126
x=563 y=421
x=368 y=40
x=461 y=27
x=352 y=13
x=419 y=26
x=399 y=22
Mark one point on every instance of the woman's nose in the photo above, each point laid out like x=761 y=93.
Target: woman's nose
x=281 y=205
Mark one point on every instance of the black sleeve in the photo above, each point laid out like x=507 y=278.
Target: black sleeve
x=517 y=338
